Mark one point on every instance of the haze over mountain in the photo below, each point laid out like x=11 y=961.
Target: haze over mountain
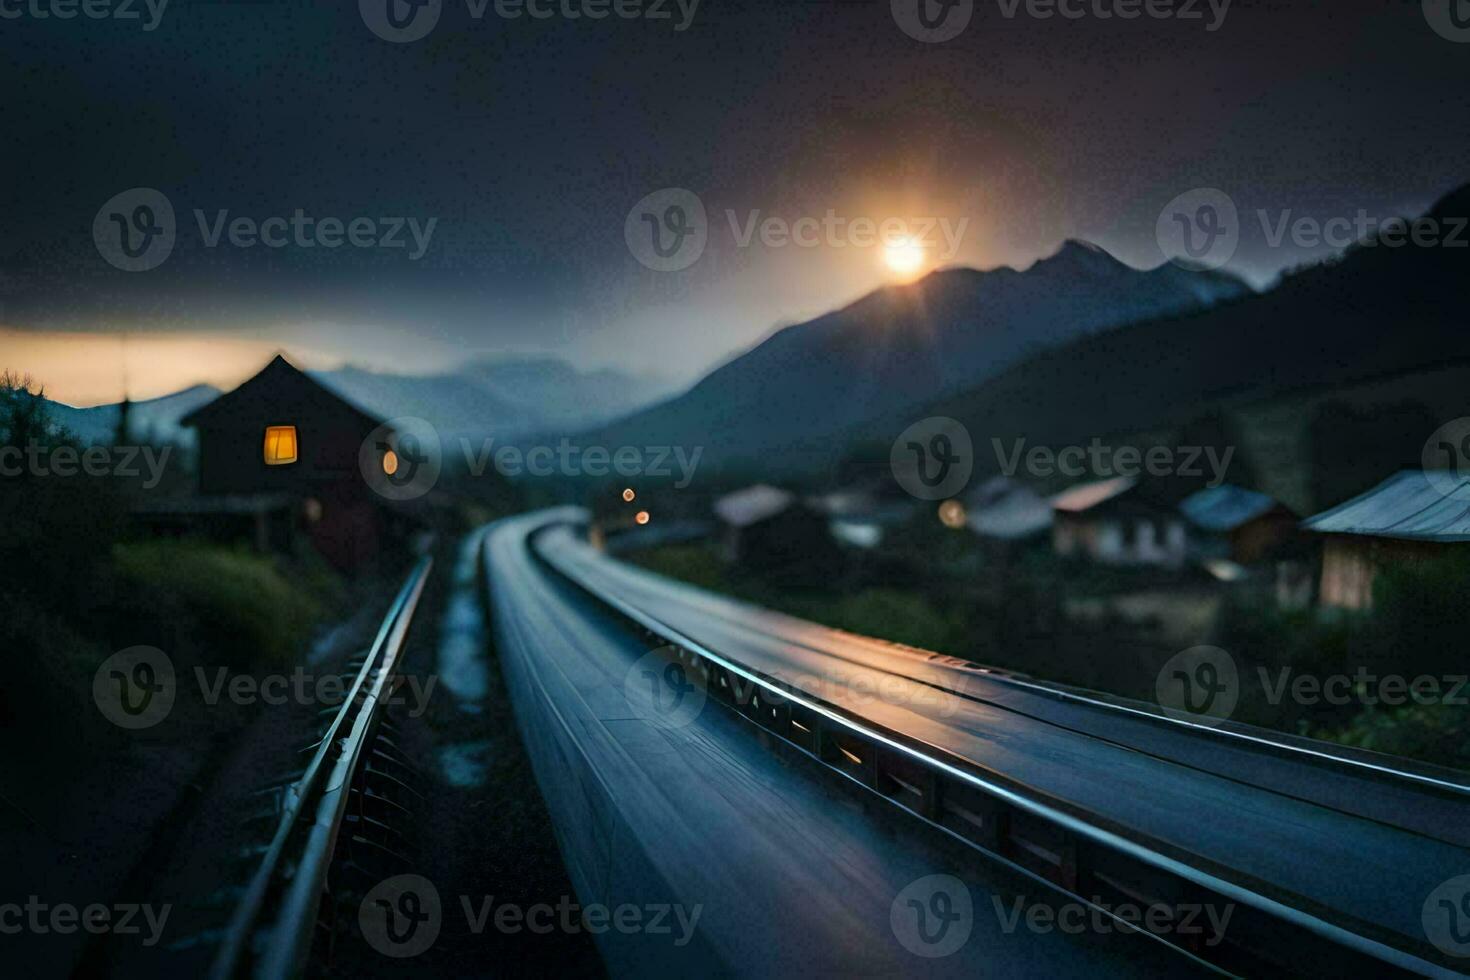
x=505 y=398
x=1375 y=312
x=904 y=346
x=155 y=420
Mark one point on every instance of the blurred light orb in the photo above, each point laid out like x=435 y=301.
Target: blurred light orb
x=903 y=256
x=642 y=517
x=628 y=495
x=952 y=514
x=390 y=462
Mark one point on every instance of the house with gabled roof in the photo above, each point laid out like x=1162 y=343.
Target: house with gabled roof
x=1412 y=517
x=283 y=436
x=1240 y=525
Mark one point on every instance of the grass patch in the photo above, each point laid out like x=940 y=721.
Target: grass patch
x=238 y=608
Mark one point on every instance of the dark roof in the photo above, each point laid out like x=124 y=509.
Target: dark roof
x=280 y=380
x=1409 y=505
x=1226 y=507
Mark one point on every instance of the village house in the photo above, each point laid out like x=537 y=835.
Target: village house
x=284 y=452
x=1239 y=525
x=863 y=517
x=1409 y=518
x=1006 y=514
x=1118 y=521
x=770 y=530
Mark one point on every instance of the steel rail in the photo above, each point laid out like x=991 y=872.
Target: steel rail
x=352 y=726
x=931 y=758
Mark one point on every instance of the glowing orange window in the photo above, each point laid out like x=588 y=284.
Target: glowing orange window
x=280 y=445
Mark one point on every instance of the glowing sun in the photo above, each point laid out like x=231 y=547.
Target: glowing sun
x=903 y=257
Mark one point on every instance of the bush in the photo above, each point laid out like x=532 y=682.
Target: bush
x=238 y=608
x=1437 y=733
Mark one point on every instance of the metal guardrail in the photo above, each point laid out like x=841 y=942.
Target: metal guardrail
x=291 y=878
x=1044 y=839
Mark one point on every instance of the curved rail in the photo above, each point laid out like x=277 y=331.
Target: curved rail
x=925 y=779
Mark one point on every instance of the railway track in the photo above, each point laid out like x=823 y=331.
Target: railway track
x=351 y=781
x=1095 y=860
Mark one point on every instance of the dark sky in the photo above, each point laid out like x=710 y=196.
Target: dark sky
x=529 y=141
